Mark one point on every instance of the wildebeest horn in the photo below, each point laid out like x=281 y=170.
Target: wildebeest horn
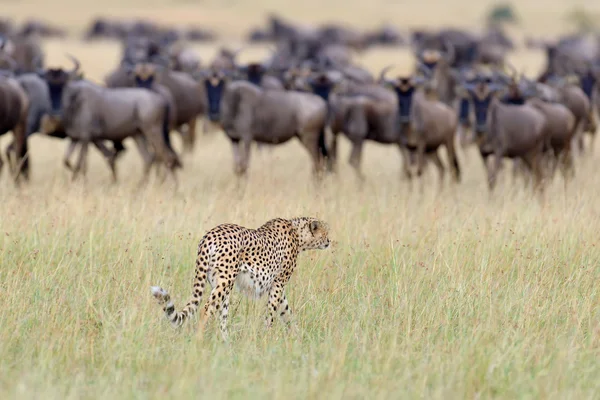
x=384 y=71
x=76 y=63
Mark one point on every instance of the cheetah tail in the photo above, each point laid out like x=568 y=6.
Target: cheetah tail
x=177 y=318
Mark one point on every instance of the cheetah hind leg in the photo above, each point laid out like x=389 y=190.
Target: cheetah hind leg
x=218 y=301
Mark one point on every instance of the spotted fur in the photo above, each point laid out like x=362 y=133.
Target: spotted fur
x=257 y=261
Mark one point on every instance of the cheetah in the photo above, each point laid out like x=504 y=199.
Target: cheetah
x=257 y=261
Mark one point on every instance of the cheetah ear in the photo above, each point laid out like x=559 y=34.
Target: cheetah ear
x=314 y=225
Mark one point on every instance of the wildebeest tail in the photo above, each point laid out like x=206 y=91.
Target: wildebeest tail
x=322 y=144
x=166 y=127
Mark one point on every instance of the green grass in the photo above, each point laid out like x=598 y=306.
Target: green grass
x=421 y=296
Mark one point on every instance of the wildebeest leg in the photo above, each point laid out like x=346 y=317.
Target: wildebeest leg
x=244 y=159
x=82 y=159
x=237 y=158
x=591 y=127
x=577 y=140
x=533 y=163
x=566 y=164
x=147 y=158
x=493 y=171
x=20 y=165
x=311 y=143
x=110 y=157
x=189 y=140
x=464 y=135
x=420 y=157
x=355 y=158
x=68 y=153
x=333 y=152
x=550 y=161
x=435 y=158
x=452 y=159
x=404 y=154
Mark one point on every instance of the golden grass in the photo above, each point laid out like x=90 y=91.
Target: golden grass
x=421 y=296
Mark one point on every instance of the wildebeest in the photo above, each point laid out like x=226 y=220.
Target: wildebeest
x=26 y=51
x=188 y=95
x=360 y=112
x=506 y=130
x=91 y=113
x=248 y=113
x=13 y=117
x=256 y=73
x=559 y=131
x=437 y=66
x=574 y=98
x=424 y=122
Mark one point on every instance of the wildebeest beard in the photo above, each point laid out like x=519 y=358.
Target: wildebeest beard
x=255 y=74
x=481 y=107
x=144 y=83
x=56 y=79
x=322 y=89
x=214 y=92
x=463 y=111
x=404 y=103
x=588 y=81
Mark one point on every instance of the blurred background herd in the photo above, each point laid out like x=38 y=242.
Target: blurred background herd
x=511 y=87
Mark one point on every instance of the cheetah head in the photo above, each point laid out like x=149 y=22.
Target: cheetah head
x=313 y=233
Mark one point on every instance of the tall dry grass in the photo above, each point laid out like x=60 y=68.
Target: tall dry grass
x=422 y=296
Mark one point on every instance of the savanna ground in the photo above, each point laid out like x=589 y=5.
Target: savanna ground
x=421 y=296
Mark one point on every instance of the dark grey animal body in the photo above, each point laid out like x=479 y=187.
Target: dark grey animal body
x=13 y=117
x=187 y=97
x=92 y=113
x=507 y=131
x=249 y=113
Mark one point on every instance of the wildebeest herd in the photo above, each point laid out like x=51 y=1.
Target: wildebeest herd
x=461 y=92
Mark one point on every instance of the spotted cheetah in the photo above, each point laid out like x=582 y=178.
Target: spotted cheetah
x=258 y=261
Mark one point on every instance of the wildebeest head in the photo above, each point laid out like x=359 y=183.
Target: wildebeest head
x=322 y=84
x=405 y=88
x=145 y=74
x=57 y=79
x=481 y=94
x=215 y=84
x=464 y=107
x=253 y=72
x=429 y=59
x=588 y=79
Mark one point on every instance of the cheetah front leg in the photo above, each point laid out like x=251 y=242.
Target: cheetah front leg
x=224 y=314
x=278 y=303
x=285 y=313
